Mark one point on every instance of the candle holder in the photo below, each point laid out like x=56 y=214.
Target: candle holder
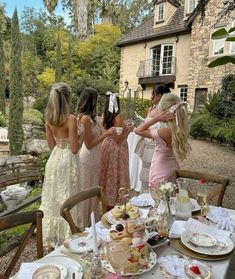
x=93 y=266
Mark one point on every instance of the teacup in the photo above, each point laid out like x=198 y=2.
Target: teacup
x=119 y=130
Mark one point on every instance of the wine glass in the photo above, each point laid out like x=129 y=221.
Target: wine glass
x=155 y=194
x=118 y=254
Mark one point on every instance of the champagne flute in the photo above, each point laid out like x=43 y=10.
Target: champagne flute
x=202 y=197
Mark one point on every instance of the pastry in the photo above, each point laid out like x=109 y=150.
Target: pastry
x=143 y=261
x=117 y=211
x=131 y=267
x=126 y=240
x=115 y=235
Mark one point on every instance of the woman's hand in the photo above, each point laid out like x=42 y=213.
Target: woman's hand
x=111 y=132
x=164 y=116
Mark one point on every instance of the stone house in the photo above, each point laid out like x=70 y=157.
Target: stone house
x=172 y=46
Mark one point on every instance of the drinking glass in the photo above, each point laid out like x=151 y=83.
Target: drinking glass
x=118 y=254
x=155 y=194
x=202 y=197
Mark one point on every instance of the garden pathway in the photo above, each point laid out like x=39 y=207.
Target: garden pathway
x=205 y=157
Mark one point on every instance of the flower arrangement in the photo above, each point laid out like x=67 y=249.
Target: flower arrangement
x=166 y=190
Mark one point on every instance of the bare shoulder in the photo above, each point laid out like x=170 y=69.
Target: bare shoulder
x=85 y=120
x=119 y=120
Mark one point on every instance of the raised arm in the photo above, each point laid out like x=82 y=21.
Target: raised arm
x=89 y=141
x=143 y=129
x=119 y=122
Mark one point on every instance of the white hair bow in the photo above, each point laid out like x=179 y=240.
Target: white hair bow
x=113 y=105
x=175 y=107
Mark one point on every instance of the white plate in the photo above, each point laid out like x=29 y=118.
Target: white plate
x=203 y=239
x=168 y=268
x=71 y=265
x=80 y=244
x=152 y=261
x=142 y=200
x=113 y=221
x=63 y=270
x=216 y=250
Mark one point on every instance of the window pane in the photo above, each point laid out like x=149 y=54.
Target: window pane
x=191 y=5
x=183 y=93
x=233 y=47
x=218 y=46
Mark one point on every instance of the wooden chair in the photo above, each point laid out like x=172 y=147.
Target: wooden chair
x=34 y=218
x=210 y=178
x=78 y=198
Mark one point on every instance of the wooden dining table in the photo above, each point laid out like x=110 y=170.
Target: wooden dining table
x=219 y=267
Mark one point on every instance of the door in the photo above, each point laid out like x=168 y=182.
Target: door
x=200 y=97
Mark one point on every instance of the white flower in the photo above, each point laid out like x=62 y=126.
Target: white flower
x=166 y=188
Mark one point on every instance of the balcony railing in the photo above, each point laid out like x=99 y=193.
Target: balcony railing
x=157 y=67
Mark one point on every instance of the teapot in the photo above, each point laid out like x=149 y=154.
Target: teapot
x=13 y=195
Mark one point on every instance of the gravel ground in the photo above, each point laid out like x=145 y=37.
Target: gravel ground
x=205 y=157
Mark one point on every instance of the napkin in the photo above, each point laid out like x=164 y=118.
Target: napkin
x=197 y=226
x=174 y=266
x=177 y=228
x=101 y=231
x=221 y=217
x=27 y=269
x=144 y=199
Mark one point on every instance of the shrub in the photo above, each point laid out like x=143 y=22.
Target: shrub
x=32 y=116
x=141 y=107
x=208 y=126
x=40 y=103
x=3 y=120
x=225 y=106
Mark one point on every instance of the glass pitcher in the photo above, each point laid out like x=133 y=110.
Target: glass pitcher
x=183 y=204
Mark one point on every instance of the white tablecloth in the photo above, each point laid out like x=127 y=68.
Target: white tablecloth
x=219 y=268
x=135 y=163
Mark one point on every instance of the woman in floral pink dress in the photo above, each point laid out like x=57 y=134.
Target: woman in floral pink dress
x=114 y=168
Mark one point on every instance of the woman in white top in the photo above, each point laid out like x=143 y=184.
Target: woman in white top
x=90 y=153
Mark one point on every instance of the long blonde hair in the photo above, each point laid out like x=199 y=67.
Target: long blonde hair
x=179 y=126
x=57 y=109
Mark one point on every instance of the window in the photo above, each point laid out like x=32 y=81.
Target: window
x=162 y=60
x=160 y=12
x=183 y=93
x=191 y=5
x=232 y=44
x=218 y=46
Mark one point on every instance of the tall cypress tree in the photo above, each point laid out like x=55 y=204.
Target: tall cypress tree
x=69 y=63
x=16 y=134
x=58 y=71
x=2 y=75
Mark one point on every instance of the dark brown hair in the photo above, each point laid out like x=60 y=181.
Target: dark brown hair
x=109 y=117
x=87 y=103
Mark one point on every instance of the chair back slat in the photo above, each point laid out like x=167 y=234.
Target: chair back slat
x=95 y=192
x=34 y=218
x=222 y=181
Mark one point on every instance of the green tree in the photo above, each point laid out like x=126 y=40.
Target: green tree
x=58 y=69
x=69 y=63
x=2 y=74
x=16 y=90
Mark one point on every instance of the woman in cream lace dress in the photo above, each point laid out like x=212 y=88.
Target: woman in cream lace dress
x=62 y=172
x=90 y=153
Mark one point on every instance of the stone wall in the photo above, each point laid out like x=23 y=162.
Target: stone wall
x=200 y=76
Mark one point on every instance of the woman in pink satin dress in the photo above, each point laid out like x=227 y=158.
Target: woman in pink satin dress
x=172 y=142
